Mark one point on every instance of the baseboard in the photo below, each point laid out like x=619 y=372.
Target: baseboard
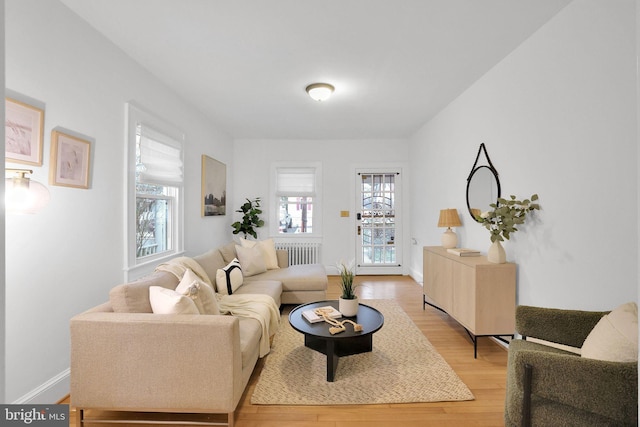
x=416 y=275
x=48 y=393
x=500 y=343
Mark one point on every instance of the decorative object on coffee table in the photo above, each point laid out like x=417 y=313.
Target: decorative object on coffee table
x=321 y=313
x=348 y=302
x=337 y=325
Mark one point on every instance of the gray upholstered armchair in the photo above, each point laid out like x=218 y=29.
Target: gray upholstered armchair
x=547 y=386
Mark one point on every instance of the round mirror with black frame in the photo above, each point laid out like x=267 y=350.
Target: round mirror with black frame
x=483 y=186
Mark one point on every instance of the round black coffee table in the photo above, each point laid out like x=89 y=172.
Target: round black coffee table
x=346 y=343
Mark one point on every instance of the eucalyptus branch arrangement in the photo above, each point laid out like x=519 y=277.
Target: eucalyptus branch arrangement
x=347 y=274
x=501 y=221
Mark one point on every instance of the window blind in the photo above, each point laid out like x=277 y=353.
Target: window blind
x=160 y=161
x=296 y=182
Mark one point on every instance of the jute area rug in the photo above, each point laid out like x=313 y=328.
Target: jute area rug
x=403 y=367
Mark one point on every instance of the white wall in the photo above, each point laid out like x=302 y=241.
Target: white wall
x=65 y=259
x=558 y=116
x=253 y=160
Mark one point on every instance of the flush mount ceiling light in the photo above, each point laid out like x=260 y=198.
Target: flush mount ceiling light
x=320 y=91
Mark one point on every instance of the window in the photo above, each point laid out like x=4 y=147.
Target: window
x=297 y=198
x=154 y=208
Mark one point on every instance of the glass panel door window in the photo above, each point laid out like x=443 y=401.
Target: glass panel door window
x=378 y=219
x=378 y=226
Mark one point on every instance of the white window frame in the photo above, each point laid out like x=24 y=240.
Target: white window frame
x=274 y=211
x=134 y=266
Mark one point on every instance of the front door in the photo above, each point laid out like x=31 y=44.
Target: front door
x=378 y=227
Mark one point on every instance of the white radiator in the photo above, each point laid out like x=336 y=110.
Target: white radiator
x=301 y=252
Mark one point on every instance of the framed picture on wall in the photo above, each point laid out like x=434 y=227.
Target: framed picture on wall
x=23 y=130
x=214 y=187
x=70 y=157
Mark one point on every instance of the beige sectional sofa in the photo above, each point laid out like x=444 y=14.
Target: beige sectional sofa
x=126 y=358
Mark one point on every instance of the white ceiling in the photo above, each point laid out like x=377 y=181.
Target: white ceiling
x=245 y=63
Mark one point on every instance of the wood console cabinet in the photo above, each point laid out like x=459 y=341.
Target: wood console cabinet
x=478 y=294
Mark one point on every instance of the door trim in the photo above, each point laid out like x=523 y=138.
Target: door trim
x=389 y=269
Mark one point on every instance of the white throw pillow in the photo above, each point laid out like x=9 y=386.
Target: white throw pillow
x=268 y=249
x=229 y=278
x=168 y=301
x=202 y=294
x=251 y=260
x=615 y=336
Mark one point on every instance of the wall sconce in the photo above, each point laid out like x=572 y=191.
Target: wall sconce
x=22 y=194
x=320 y=91
x=449 y=218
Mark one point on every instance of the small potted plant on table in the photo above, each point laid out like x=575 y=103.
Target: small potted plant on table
x=348 y=302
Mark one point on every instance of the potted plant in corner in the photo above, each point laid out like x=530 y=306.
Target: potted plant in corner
x=501 y=221
x=348 y=302
x=250 y=218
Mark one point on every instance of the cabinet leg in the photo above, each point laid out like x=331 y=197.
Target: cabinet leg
x=474 y=339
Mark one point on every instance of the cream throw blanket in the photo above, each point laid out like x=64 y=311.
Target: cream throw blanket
x=178 y=266
x=256 y=306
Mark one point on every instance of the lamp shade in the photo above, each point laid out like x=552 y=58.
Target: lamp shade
x=320 y=91
x=449 y=218
x=24 y=195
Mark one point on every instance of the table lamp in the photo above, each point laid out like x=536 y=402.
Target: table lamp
x=449 y=218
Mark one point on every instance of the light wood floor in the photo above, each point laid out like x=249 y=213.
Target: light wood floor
x=485 y=376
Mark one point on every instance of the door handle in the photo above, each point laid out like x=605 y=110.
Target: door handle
x=359 y=230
